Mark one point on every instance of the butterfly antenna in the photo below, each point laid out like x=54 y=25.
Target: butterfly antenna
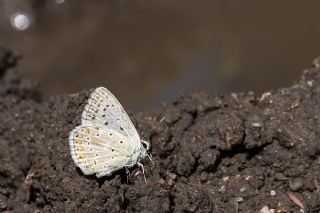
x=142 y=168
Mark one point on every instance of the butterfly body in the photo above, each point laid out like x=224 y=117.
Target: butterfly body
x=106 y=140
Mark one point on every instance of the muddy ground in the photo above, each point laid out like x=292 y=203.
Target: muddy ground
x=222 y=153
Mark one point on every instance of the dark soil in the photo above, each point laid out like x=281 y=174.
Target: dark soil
x=222 y=153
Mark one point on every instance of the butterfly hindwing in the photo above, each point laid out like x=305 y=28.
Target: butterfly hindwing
x=98 y=149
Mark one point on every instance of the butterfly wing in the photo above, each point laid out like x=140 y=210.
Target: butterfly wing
x=103 y=108
x=99 y=150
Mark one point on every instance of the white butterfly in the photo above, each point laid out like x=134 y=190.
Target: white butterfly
x=106 y=140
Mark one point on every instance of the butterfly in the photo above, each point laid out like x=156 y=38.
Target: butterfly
x=106 y=140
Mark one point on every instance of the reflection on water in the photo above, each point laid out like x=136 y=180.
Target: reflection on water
x=147 y=52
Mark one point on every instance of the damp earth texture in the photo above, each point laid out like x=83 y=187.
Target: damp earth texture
x=235 y=152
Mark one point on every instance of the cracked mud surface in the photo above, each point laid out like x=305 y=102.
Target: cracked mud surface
x=223 y=153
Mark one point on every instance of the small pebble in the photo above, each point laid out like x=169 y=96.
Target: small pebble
x=242 y=189
x=171 y=182
x=248 y=177
x=225 y=179
x=222 y=189
x=266 y=209
x=310 y=83
x=239 y=199
x=172 y=175
x=171 y=178
x=256 y=125
x=273 y=193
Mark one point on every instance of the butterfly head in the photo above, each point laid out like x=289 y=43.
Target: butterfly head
x=145 y=149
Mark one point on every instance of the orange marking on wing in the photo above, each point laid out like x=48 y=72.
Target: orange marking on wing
x=79 y=141
x=96 y=142
x=96 y=128
x=89 y=166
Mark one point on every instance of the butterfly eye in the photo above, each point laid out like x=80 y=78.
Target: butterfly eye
x=144 y=145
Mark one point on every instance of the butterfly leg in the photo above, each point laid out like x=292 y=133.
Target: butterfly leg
x=150 y=158
x=142 y=168
x=128 y=174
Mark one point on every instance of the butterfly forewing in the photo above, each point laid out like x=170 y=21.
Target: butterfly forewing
x=98 y=149
x=103 y=108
